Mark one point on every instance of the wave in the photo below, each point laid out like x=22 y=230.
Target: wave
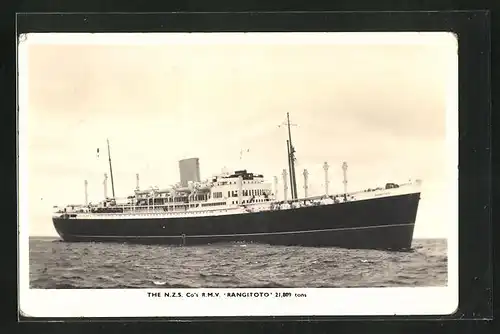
x=59 y=265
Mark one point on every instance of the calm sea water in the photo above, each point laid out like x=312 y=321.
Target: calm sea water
x=57 y=264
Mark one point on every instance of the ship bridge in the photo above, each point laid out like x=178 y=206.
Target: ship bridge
x=241 y=187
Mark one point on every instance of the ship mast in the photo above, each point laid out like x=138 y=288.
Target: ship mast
x=291 y=159
x=111 y=170
x=289 y=166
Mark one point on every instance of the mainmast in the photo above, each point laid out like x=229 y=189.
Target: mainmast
x=290 y=166
x=111 y=170
x=291 y=158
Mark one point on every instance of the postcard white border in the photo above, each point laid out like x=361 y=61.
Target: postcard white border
x=319 y=301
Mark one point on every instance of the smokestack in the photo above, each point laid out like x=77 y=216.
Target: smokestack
x=285 y=185
x=105 y=185
x=137 y=181
x=344 y=168
x=86 y=193
x=189 y=170
x=306 y=174
x=325 y=167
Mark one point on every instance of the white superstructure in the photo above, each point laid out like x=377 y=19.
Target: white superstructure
x=238 y=193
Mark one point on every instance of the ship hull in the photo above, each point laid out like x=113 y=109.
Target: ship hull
x=378 y=223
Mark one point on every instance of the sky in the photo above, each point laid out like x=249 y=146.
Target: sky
x=380 y=106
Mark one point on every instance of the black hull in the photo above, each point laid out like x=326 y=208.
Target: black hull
x=379 y=223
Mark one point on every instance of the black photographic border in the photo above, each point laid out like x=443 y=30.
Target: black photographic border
x=472 y=29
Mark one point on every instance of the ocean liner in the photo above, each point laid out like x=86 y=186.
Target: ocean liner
x=242 y=207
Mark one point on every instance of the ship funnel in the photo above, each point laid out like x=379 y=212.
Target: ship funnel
x=189 y=170
x=137 y=181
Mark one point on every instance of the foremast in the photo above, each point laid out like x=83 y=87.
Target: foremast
x=111 y=170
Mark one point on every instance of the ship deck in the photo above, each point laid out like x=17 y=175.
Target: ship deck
x=159 y=211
